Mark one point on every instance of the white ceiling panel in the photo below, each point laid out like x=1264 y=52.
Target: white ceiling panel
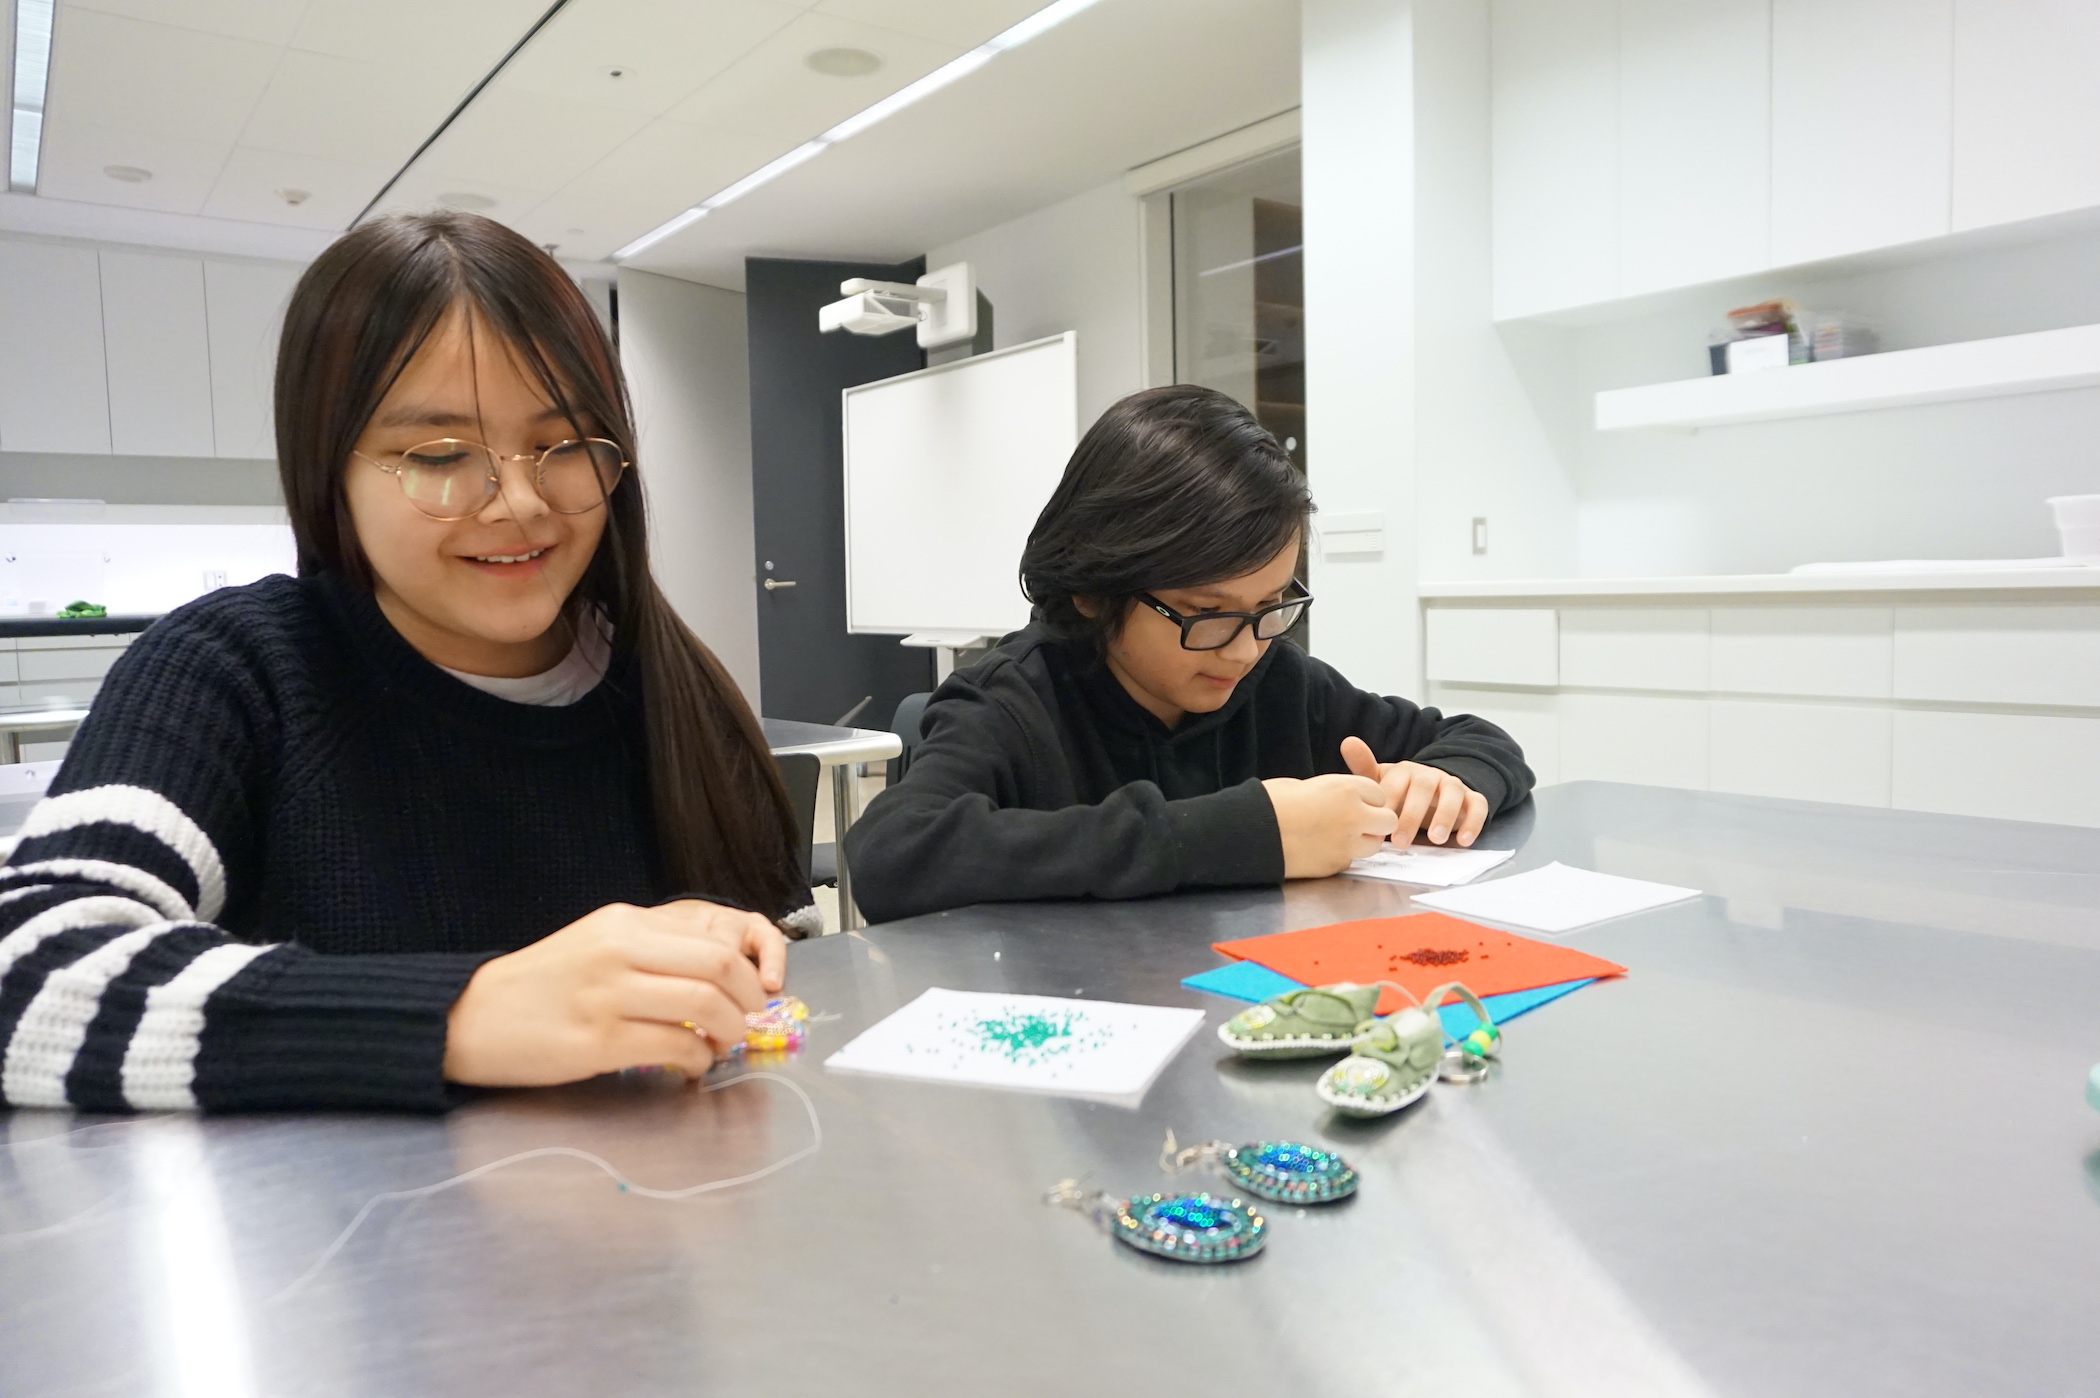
x=350 y=109
x=1118 y=85
x=772 y=91
x=470 y=35
x=75 y=154
x=647 y=180
x=664 y=52
x=425 y=189
x=529 y=140
x=247 y=188
x=269 y=22
x=963 y=23
x=133 y=75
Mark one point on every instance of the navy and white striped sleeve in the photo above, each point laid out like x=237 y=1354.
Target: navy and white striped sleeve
x=119 y=992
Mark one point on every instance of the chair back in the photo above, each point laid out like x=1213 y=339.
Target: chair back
x=799 y=772
x=911 y=712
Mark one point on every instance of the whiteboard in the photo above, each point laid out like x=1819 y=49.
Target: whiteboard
x=946 y=471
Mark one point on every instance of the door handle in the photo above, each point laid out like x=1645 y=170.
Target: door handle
x=775 y=584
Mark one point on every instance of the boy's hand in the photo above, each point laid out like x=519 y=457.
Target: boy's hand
x=1420 y=796
x=1327 y=821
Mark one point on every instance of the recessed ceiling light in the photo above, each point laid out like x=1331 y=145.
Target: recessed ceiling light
x=844 y=63
x=295 y=197
x=1044 y=19
x=127 y=174
x=465 y=201
x=32 y=67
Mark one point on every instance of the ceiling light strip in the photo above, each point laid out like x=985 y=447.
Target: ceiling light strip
x=464 y=102
x=1049 y=17
x=32 y=70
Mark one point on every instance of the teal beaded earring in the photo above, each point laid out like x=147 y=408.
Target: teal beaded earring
x=1283 y=1172
x=1180 y=1227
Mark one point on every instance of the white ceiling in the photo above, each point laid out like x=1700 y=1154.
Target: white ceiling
x=229 y=102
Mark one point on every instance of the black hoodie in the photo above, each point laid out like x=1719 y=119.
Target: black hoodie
x=1040 y=777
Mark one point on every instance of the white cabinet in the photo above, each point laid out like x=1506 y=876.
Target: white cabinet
x=1841 y=652
x=1802 y=752
x=244 y=310
x=2026 y=107
x=1639 y=738
x=1861 y=107
x=1493 y=645
x=1634 y=647
x=1555 y=160
x=54 y=395
x=158 y=355
x=2012 y=766
x=1999 y=655
x=1694 y=141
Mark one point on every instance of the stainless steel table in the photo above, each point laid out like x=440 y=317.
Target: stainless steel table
x=842 y=750
x=1827 y=1137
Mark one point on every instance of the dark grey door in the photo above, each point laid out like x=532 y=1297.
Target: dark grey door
x=809 y=668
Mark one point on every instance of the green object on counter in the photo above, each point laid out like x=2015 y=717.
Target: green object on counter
x=2092 y=1087
x=76 y=611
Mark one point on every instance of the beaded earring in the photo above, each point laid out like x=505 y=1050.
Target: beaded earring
x=1283 y=1172
x=1181 y=1227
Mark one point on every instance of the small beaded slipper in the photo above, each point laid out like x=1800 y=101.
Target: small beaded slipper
x=1310 y=1023
x=1403 y=1054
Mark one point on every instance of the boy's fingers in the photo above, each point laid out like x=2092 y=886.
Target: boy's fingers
x=1450 y=805
x=767 y=945
x=1475 y=817
x=1358 y=758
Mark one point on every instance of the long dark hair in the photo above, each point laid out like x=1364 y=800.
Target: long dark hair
x=1172 y=487
x=360 y=313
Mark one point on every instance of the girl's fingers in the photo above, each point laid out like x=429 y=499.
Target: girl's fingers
x=767 y=945
x=1450 y=805
x=1412 y=811
x=703 y=958
x=673 y=1000
x=639 y=1044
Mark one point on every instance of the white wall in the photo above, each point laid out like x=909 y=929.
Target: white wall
x=1951 y=480
x=1484 y=443
x=1361 y=393
x=1074 y=265
x=683 y=346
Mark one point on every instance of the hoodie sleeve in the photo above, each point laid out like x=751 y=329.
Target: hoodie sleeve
x=955 y=830
x=1475 y=751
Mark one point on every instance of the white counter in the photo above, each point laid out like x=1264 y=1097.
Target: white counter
x=2042 y=580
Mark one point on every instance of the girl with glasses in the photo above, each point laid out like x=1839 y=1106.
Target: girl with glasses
x=1147 y=732
x=464 y=803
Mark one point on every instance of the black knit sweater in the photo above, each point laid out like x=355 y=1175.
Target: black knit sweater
x=279 y=847
x=1040 y=777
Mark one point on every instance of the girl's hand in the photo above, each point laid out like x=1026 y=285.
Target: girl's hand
x=1327 y=821
x=615 y=989
x=1420 y=796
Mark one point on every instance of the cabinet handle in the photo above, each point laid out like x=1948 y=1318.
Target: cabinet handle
x=775 y=584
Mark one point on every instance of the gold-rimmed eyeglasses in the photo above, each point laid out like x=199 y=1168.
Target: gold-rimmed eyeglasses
x=453 y=479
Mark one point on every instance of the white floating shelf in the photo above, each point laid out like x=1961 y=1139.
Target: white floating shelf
x=2040 y=362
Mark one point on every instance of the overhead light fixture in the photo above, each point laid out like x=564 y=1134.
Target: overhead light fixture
x=127 y=174
x=32 y=68
x=843 y=63
x=1043 y=20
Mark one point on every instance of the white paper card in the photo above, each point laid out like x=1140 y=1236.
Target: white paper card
x=1555 y=899
x=1432 y=866
x=1094 y=1049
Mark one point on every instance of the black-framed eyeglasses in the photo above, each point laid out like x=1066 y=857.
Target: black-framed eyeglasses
x=1217 y=630
x=452 y=479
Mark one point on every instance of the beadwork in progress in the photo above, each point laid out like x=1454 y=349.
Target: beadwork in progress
x=778 y=1028
x=1181 y=1227
x=1283 y=1172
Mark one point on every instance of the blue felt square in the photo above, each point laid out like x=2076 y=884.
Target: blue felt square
x=1243 y=980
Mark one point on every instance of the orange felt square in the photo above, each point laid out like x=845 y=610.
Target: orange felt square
x=1421 y=952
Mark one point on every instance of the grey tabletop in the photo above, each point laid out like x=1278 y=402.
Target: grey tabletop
x=1826 y=1137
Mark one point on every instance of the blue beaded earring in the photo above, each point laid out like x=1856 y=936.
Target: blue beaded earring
x=1183 y=1227
x=1283 y=1172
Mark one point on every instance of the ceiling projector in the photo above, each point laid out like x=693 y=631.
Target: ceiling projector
x=942 y=305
